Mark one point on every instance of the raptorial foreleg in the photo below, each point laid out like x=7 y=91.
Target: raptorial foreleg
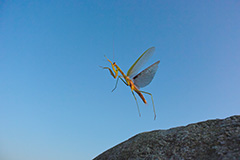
x=111 y=72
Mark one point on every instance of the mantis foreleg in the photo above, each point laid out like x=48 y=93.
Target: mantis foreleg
x=115 y=71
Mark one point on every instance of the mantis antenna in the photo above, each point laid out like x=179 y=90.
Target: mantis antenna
x=113 y=46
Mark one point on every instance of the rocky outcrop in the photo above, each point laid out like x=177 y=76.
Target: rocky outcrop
x=209 y=140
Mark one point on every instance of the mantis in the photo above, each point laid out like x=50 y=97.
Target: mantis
x=134 y=80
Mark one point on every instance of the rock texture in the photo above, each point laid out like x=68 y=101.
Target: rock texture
x=209 y=140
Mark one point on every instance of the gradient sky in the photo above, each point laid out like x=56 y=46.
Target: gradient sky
x=55 y=101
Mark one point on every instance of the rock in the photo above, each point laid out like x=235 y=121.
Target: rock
x=209 y=140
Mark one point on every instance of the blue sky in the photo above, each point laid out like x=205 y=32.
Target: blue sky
x=55 y=101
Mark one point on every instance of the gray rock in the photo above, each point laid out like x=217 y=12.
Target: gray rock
x=209 y=140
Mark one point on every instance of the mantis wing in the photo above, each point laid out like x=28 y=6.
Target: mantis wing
x=146 y=76
x=140 y=62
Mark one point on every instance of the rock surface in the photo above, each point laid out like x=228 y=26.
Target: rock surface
x=208 y=140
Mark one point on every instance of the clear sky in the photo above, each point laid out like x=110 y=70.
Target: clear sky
x=55 y=101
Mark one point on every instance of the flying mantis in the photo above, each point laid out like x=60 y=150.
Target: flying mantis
x=134 y=79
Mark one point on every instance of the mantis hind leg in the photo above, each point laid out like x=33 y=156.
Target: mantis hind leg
x=137 y=104
x=111 y=72
x=152 y=102
x=132 y=93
